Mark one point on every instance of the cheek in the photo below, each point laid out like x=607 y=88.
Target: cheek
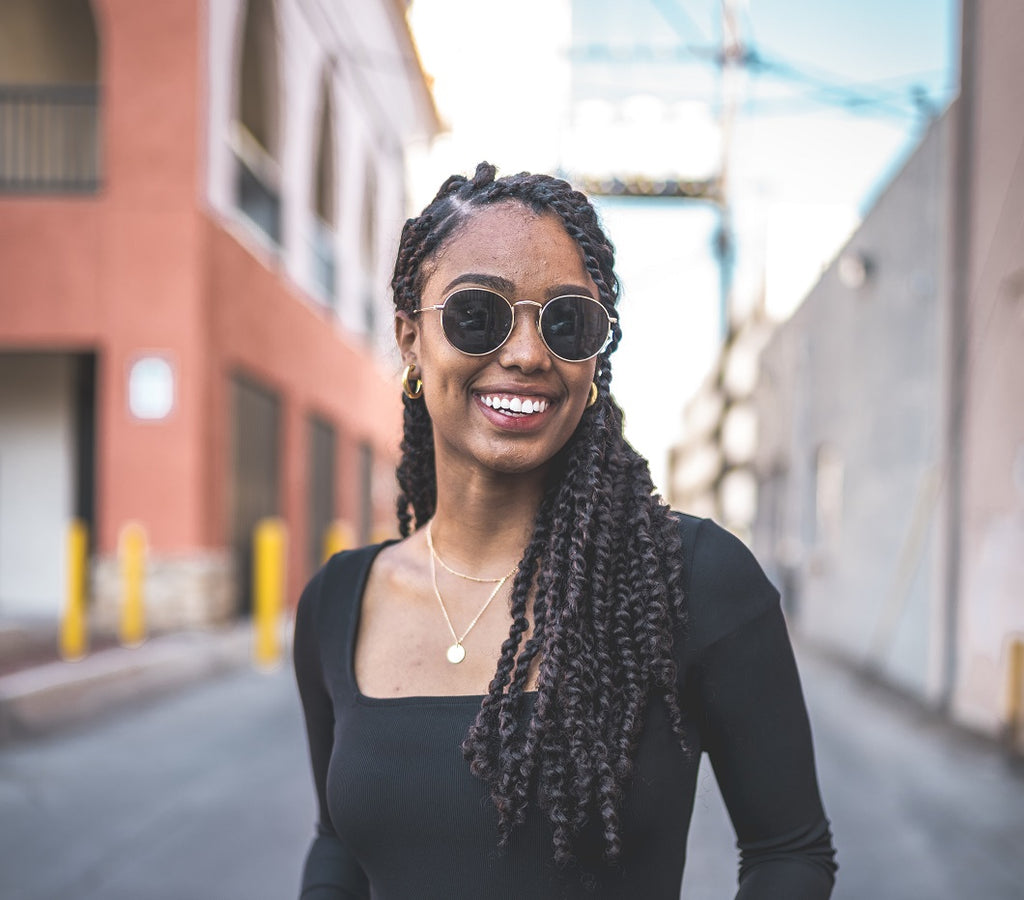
x=583 y=379
x=578 y=381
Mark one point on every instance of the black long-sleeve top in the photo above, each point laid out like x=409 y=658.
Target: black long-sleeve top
x=401 y=816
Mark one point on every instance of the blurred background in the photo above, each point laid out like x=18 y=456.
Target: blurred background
x=819 y=216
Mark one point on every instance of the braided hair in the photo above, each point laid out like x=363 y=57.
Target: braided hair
x=603 y=565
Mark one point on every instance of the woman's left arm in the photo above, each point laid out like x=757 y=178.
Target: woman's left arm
x=758 y=738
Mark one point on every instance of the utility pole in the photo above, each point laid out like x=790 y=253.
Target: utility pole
x=731 y=59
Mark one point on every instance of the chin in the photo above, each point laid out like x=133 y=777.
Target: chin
x=519 y=460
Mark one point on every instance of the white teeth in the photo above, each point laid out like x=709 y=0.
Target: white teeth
x=515 y=404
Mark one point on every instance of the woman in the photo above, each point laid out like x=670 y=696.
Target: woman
x=511 y=702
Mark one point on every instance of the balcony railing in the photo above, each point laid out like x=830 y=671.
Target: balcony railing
x=49 y=138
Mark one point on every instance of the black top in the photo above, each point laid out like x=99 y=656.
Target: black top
x=401 y=816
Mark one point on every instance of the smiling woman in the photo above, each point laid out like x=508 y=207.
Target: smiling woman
x=512 y=700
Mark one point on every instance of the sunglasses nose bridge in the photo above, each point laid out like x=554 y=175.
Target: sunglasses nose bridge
x=539 y=306
x=515 y=312
x=529 y=342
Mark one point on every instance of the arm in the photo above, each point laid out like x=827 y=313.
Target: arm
x=759 y=742
x=757 y=735
x=330 y=873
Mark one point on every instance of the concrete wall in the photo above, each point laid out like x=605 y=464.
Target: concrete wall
x=914 y=381
x=990 y=613
x=850 y=436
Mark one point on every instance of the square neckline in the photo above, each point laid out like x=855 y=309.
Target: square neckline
x=353 y=638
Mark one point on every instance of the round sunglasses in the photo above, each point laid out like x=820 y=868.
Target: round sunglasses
x=477 y=321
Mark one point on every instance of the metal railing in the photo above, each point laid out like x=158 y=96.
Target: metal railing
x=49 y=138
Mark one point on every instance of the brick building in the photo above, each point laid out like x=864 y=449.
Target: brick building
x=199 y=203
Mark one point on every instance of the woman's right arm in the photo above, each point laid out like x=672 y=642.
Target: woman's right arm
x=330 y=873
x=755 y=727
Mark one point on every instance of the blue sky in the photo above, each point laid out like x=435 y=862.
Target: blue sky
x=860 y=41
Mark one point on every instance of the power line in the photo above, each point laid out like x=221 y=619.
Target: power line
x=910 y=96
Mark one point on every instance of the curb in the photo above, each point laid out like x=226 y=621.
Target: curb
x=47 y=698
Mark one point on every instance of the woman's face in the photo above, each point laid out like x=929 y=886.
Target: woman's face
x=524 y=256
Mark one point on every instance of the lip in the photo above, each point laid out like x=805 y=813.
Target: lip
x=519 y=423
x=519 y=390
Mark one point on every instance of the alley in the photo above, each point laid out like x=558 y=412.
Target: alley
x=207 y=795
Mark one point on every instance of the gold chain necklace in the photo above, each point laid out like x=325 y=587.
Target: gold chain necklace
x=456 y=653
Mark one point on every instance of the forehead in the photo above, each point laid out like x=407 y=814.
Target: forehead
x=510 y=241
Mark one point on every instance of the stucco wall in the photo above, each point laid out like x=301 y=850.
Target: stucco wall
x=857 y=370
x=991 y=598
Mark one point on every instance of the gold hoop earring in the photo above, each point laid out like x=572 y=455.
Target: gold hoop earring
x=411 y=393
x=592 y=399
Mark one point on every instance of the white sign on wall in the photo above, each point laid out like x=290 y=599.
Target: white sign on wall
x=151 y=388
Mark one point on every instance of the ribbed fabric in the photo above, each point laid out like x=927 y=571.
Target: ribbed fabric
x=401 y=817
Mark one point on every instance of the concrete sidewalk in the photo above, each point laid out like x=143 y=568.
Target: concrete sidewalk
x=46 y=694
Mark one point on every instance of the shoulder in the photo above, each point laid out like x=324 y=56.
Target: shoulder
x=335 y=588
x=725 y=585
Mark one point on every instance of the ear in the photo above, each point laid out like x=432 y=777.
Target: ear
x=407 y=335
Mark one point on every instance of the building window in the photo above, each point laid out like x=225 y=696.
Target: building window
x=256 y=135
x=366 y=511
x=255 y=486
x=49 y=97
x=368 y=247
x=324 y=199
x=323 y=449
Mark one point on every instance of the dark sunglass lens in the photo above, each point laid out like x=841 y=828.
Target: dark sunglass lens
x=476 y=321
x=574 y=327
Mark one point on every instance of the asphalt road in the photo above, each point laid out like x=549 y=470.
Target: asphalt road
x=201 y=796
x=207 y=795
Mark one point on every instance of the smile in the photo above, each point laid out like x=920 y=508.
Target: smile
x=509 y=403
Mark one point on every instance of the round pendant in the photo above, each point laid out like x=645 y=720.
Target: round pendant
x=456 y=653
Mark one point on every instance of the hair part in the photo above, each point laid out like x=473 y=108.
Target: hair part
x=604 y=565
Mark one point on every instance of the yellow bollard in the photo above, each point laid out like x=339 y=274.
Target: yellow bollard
x=74 y=636
x=132 y=553
x=268 y=568
x=339 y=536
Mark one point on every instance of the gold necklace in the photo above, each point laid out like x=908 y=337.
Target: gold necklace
x=456 y=653
x=448 y=568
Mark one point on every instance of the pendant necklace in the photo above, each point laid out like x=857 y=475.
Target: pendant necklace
x=456 y=653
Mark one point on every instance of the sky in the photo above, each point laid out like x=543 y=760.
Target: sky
x=824 y=116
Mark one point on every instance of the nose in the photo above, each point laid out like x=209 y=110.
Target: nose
x=524 y=348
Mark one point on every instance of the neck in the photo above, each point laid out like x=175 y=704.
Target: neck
x=482 y=524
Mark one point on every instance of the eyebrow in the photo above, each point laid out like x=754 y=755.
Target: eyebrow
x=494 y=282
x=560 y=290
x=506 y=288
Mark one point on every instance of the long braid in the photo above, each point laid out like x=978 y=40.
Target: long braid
x=603 y=567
